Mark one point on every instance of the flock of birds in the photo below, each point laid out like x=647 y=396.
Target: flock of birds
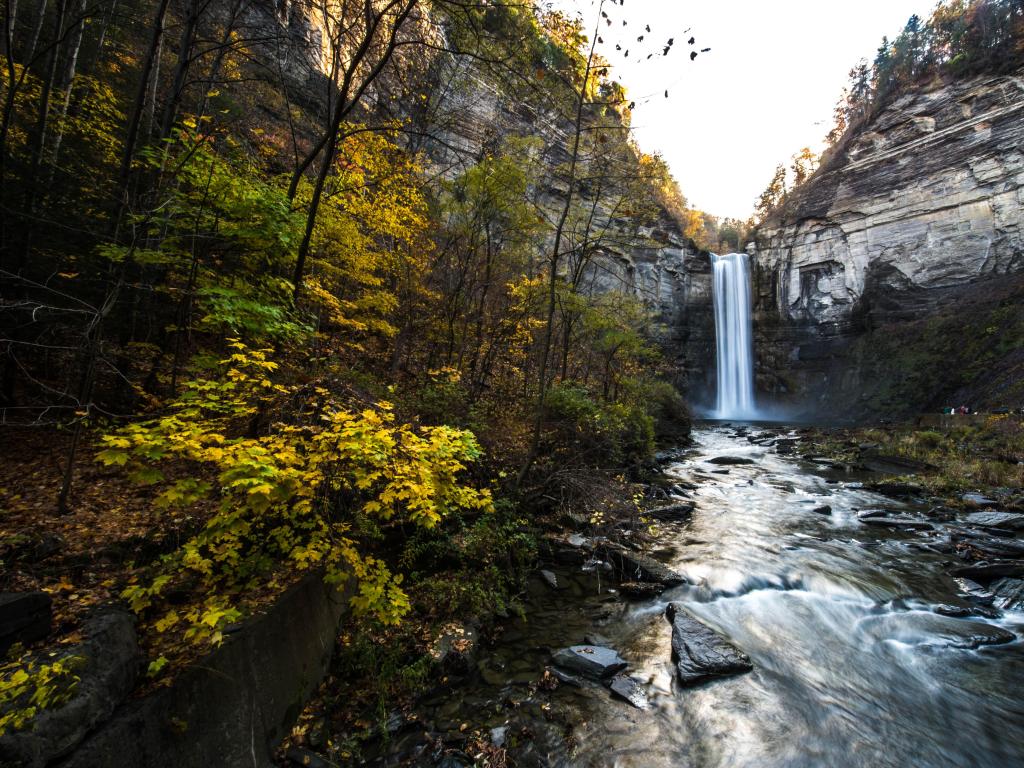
x=666 y=48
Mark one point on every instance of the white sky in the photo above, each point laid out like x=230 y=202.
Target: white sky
x=766 y=88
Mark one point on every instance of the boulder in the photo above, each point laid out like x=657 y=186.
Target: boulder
x=731 y=460
x=593 y=661
x=824 y=509
x=701 y=653
x=629 y=689
x=24 y=618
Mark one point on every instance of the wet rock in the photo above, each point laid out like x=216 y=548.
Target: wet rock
x=1005 y=521
x=987 y=546
x=896 y=490
x=960 y=633
x=24 y=617
x=641 y=589
x=1009 y=594
x=720 y=471
x=731 y=460
x=701 y=653
x=978 y=500
x=565 y=678
x=824 y=509
x=896 y=521
x=670 y=512
x=110 y=665
x=974 y=592
x=986 y=572
x=593 y=661
x=633 y=566
x=963 y=611
x=550 y=579
x=629 y=689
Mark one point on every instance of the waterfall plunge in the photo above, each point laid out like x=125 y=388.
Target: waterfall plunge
x=734 y=336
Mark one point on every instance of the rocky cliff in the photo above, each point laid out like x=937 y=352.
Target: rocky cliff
x=894 y=279
x=653 y=261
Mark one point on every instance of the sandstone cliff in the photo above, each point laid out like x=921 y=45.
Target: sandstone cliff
x=893 y=280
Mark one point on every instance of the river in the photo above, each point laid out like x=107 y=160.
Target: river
x=852 y=666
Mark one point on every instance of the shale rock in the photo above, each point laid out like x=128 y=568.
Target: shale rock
x=701 y=653
x=634 y=566
x=592 y=661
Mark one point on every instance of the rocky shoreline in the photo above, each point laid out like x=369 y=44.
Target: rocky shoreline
x=592 y=572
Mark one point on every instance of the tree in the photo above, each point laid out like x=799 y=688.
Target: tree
x=773 y=195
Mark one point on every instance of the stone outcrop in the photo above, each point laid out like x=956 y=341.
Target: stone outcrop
x=916 y=218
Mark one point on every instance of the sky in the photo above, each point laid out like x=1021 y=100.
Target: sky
x=766 y=88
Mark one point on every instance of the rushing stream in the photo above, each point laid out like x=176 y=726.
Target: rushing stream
x=852 y=666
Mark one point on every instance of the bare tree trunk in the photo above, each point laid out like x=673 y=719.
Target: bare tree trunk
x=67 y=80
x=132 y=134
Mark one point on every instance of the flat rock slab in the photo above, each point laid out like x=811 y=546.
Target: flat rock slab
x=894 y=465
x=591 y=660
x=700 y=652
x=1009 y=594
x=641 y=589
x=629 y=689
x=634 y=566
x=679 y=511
x=986 y=572
x=731 y=460
x=963 y=612
x=896 y=490
x=957 y=633
x=896 y=522
x=1004 y=521
x=978 y=500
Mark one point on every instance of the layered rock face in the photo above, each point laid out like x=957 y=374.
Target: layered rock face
x=655 y=263
x=908 y=242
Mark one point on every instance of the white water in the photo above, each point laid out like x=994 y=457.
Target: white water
x=734 y=336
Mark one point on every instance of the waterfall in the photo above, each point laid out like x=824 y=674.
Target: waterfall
x=734 y=336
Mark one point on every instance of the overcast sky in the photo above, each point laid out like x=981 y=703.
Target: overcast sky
x=766 y=88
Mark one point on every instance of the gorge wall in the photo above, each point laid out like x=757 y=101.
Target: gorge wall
x=653 y=261
x=893 y=281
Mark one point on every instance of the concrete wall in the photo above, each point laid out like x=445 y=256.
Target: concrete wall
x=234 y=706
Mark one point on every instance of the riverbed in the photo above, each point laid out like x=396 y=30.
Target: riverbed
x=853 y=666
